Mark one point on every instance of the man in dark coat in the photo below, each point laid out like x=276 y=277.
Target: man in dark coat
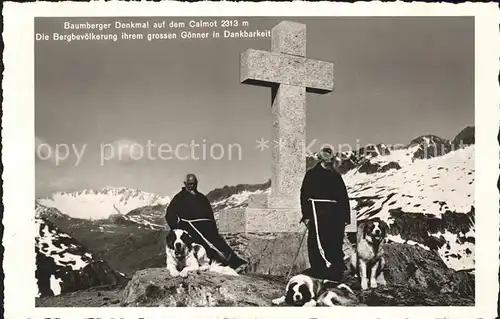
x=190 y=210
x=324 y=183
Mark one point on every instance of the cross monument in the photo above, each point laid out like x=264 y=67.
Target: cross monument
x=289 y=74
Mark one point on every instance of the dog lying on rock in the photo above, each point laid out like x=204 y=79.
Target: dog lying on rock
x=306 y=291
x=183 y=255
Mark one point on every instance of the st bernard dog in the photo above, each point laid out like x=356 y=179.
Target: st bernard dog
x=183 y=255
x=368 y=259
x=306 y=291
x=339 y=295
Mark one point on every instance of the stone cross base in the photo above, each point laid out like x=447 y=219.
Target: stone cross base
x=274 y=253
x=260 y=216
x=274 y=220
x=270 y=253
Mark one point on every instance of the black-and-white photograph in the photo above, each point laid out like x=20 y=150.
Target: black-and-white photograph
x=254 y=161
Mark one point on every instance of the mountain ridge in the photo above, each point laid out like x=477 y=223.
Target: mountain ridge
x=101 y=203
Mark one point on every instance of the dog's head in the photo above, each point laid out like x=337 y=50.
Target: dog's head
x=338 y=295
x=375 y=230
x=179 y=242
x=299 y=290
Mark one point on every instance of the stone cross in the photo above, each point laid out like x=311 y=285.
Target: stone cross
x=289 y=74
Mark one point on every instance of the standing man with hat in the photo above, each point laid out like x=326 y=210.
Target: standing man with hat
x=325 y=212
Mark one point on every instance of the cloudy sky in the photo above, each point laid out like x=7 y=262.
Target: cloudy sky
x=396 y=79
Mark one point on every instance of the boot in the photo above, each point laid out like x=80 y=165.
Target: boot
x=236 y=262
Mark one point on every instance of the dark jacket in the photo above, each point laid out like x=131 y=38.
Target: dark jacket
x=188 y=206
x=321 y=183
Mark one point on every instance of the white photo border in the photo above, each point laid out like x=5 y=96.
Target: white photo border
x=19 y=162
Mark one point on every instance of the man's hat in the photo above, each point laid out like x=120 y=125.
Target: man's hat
x=326 y=153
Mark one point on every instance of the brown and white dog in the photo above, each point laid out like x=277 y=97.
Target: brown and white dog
x=368 y=259
x=338 y=295
x=306 y=291
x=301 y=290
x=183 y=254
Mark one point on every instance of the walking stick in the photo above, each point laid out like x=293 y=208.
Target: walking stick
x=315 y=217
x=296 y=254
x=190 y=222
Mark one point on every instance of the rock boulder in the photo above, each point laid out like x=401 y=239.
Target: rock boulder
x=155 y=287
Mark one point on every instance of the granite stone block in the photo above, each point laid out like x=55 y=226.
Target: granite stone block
x=232 y=220
x=289 y=38
x=277 y=220
x=269 y=68
x=289 y=158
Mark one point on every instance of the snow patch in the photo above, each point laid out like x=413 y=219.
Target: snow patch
x=457 y=254
x=55 y=285
x=236 y=200
x=397 y=239
x=49 y=244
x=431 y=186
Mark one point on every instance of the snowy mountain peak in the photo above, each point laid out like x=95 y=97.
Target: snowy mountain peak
x=44 y=211
x=379 y=158
x=101 y=203
x=429 y=140
x=429 y=146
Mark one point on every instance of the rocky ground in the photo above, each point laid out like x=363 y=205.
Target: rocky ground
x=415 y=277
x=154 y=287
x=105 y=296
